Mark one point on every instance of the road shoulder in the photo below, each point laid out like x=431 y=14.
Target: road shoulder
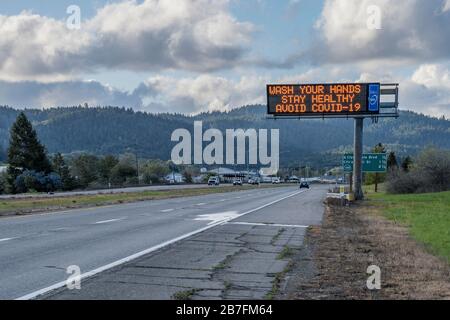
x=337 y=254
x=228 y=262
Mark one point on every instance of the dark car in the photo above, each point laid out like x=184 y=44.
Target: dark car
x=304 y=185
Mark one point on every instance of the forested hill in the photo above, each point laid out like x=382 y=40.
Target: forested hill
x=112 y=130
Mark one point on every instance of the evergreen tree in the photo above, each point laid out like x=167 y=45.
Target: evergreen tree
x=392 y=163
x=106 y=164
x=61 y=168
x=406 y=164
x=25 y=152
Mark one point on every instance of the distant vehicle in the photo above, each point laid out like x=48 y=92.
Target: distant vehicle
x=237 y=182
x=213 y=181
x=266 y=180
x=253 y=181
x=276 y=181
x=304 y=185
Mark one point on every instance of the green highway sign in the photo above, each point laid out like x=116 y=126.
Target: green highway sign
x=371 y=162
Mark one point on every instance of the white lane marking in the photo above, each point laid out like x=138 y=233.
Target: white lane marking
x=222 y=200
x=91 y=273
x=167 y=210
x=6 y=239
x=269 y=224
x=201 y=204
x=109 y=221
x=237 y=197
x=217 y=217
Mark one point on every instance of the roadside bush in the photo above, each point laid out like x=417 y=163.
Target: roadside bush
x=31 y=180
x=402 y=182
x=430 y=173
x=154 y=171
x=433 y=165
x=3 y=182
x=121 y=172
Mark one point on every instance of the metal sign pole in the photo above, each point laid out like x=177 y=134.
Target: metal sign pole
x=357 y=159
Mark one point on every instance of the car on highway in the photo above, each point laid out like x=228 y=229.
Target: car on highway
x=254 y=181
x=304 y=185
x=237 y=182
x=276 y=181
x=213 y=181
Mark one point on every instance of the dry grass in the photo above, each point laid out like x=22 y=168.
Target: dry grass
x=35 y=205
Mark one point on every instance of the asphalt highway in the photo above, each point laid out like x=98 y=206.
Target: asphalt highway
x=36 y=250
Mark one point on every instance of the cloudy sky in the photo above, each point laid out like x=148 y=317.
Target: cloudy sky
x=196 y=55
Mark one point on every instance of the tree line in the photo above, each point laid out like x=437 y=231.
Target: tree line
x=429 y=171
x=315 y=143
x=31 y=169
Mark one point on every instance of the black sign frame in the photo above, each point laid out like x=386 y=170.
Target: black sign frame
x=311 y=114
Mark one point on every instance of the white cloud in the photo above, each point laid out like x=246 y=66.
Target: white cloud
x=425 y=91
x=209 y=93
x=31 y=94
x=446 y=6
x=191 y=35
x=205 y=93
x=411 y=30
x=432 y=76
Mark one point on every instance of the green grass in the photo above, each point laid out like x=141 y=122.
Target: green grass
x=426 y=215
x=35 y=204
x=185 y=295
x=285 y=253
x=223 y=264
x=278 y=279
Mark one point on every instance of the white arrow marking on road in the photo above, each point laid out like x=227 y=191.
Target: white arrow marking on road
x=217 y=217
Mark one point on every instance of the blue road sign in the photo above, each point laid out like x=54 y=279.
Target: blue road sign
x=374 y=97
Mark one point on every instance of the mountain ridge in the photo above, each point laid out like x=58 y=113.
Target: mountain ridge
x=114 y=130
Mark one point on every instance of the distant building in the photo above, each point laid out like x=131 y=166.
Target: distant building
x=174 y=177
x=226 y=174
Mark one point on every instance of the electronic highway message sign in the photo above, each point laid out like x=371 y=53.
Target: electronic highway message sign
x=322 y=100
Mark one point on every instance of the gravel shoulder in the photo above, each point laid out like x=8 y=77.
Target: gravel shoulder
x=334 y=260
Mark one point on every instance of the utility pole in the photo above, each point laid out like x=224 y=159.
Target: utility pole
x=137 y=167
x=357 y=159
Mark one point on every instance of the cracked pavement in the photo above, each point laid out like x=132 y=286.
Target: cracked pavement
x=237 y=260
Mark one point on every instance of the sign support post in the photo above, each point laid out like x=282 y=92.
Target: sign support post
x=357 y=159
